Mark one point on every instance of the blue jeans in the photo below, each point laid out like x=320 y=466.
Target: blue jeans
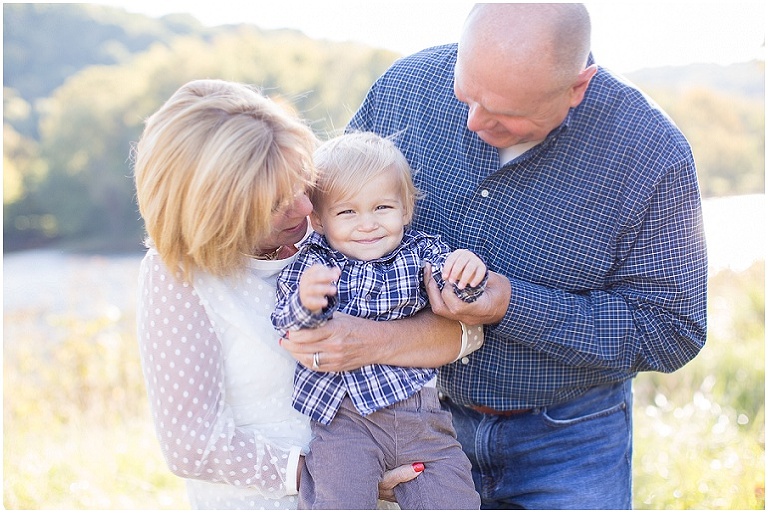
x=574 y=455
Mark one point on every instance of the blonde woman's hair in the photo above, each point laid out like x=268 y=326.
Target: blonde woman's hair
x=211 y=166
x=347 y=162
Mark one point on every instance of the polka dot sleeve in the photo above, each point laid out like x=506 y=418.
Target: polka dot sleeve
x=184 y=372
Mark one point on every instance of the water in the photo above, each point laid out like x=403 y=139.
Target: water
x=54 y=282
x=44 y=291
x=735 y=229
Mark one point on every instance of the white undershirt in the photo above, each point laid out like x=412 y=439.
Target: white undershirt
x=509 y=154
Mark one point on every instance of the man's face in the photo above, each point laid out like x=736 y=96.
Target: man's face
x=506 y=111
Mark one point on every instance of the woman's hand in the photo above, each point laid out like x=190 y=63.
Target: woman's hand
x=299 y=470
x=389 y=481
x=394 y=477
x=343 y=343
x=346 y=343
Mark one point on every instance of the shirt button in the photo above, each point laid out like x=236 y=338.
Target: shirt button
x=465 y=360
x=484 y=193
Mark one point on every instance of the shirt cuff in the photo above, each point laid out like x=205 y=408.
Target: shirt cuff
x=472 y=338
x=291 y=481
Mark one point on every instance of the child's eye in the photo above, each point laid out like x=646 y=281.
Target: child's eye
x=349 y=211
x=384 y=207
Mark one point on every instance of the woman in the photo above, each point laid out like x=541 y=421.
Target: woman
x=221 y=178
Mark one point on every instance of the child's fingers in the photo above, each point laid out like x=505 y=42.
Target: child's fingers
x=462 y=268
x=477 y=275
x=454 y=263
x=320 y=274
x=316 y=284
x=315 y=296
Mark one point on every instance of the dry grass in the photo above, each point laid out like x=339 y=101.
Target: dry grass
x=77 y=433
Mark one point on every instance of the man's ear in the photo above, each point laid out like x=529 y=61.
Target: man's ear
x=317 y=224
x=579 y=88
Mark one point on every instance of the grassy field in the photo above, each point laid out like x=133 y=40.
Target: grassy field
x=77 y=433
x=700 y=432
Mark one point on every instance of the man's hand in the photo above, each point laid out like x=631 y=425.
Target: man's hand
x=489 y=308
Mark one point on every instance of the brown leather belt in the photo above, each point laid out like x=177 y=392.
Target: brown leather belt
x=504 y=413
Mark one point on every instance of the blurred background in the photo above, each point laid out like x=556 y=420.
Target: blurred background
x=78 y=82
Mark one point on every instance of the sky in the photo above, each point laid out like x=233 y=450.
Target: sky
x=626 y=35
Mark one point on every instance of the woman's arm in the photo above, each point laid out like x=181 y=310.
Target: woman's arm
x=347 y=342
x=183 y=367
x=423 y=340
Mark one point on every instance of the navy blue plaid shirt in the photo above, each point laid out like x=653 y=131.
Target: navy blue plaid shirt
x=598 y=228
x=390 y=287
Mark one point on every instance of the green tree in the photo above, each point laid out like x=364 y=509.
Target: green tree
x=78 y=87
x=727 y=135
x=89 y=123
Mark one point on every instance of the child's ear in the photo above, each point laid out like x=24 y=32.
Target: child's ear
x=317 y=224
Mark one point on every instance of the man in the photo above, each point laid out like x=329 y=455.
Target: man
x=582 y=195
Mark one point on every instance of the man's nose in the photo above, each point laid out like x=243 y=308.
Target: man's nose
x=478 y=119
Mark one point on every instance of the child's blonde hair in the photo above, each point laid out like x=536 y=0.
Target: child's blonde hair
x=347 y=162
x=212 y=164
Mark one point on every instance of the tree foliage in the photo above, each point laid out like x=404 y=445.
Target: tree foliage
x=78 y=87
x=727 y=134
x=44 y=44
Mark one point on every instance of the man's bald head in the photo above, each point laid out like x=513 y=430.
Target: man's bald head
x=551 y=38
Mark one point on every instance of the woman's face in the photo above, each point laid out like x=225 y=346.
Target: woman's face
x=289 y=223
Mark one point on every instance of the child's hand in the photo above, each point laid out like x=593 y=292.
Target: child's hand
x=462 y=268
x=316 y=284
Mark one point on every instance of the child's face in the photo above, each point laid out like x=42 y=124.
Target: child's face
x=368 y=225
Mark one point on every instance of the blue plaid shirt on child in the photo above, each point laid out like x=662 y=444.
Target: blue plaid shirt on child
x=598 y=228
x=390 y=287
